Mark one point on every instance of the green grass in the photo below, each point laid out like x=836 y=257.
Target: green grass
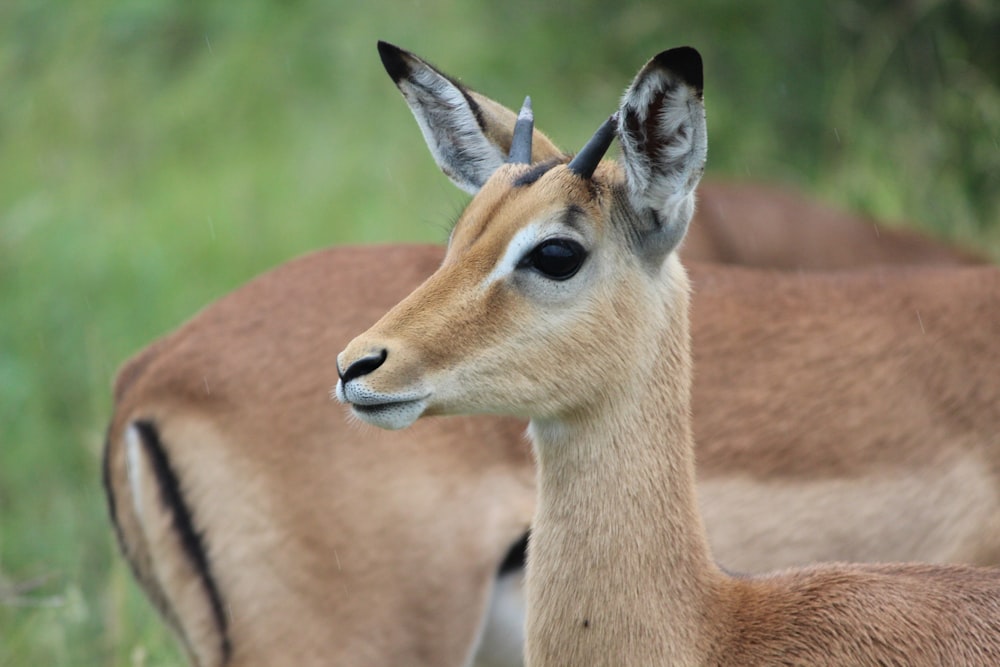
x=157 y=154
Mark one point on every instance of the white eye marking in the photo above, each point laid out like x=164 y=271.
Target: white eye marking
x=523 y=241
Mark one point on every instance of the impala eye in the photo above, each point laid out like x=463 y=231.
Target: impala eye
x=558 y=259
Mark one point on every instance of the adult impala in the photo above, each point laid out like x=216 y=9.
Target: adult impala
x=269 y=531
x=561 y=299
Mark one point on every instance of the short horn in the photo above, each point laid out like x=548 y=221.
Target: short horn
x=590 y=156
x=520 y=145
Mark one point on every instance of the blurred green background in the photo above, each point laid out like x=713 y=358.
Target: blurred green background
x=155 y=154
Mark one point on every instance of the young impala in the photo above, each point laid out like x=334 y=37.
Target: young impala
x=561 y=299
x=852 y=415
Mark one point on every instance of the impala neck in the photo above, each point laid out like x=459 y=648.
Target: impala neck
x=619 y=563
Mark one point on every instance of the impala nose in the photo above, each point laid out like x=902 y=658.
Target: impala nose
x=362 y=366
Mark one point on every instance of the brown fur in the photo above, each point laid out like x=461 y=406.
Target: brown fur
x=620 y=571
x=318 y=531
x=337 y=542
x=768 y=226
x=271 y=413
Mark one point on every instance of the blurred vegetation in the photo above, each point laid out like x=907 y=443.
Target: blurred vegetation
x=158 y=153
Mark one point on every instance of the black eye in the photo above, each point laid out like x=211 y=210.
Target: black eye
x=557 y=258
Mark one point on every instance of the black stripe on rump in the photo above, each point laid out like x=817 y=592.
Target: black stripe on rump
x=191 y=540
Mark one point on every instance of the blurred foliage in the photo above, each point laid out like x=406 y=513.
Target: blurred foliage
x=158 y=153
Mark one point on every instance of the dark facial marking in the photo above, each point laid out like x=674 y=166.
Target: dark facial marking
x=536 y=172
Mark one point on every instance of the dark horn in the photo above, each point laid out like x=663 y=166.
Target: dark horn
x=520 y=145
x=586 y=161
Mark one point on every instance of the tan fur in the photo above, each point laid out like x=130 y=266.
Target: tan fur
x=620 y=570
x=768 y=226
x=335 y=542
x=777 y=514
x=320 y=532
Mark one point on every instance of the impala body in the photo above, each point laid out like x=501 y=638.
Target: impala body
x=850 y=415
x=561 y=299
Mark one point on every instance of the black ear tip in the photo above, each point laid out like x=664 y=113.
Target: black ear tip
x=394 y=59
x=685 y=62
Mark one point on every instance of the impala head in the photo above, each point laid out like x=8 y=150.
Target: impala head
x=560 y=277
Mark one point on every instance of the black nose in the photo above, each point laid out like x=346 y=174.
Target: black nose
x=363 y=366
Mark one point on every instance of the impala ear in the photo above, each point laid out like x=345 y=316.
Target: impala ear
x=661 y=127
x=468 y=134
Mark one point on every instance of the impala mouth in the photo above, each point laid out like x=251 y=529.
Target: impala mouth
x=392 y=414
x=391 y=411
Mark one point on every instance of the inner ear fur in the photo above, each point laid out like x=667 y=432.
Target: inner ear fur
x=661 y=127
x=468 y=134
